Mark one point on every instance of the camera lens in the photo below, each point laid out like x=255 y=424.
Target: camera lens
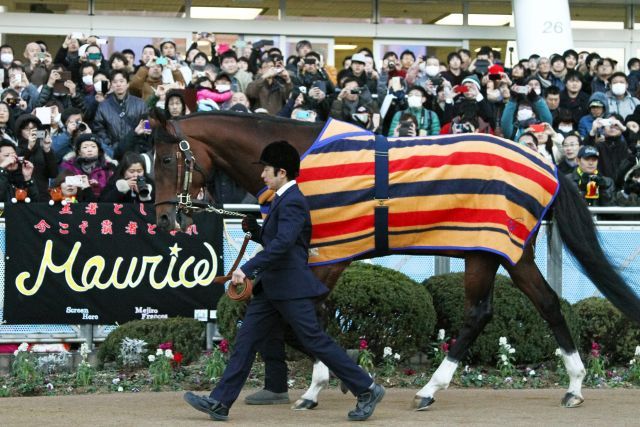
x=143 y=188
x=82 y=127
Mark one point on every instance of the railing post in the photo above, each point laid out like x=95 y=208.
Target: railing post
x=554 y=258
x=211 y=332
x=442 y=265
x=86 y=332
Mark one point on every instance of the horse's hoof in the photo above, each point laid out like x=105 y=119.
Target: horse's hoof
x=423 y=403
x=571 y=400
x=304 y=404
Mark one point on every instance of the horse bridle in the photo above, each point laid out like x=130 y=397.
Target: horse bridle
x=186 y=164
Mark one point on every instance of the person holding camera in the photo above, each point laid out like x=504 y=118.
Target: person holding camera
x=37 y=63
x=348 y=100
x=6 y=124
x=34 y=144
x=72 y=119
x=427 y=122
x=88 y=159
x=454 y=74
x=149 y=76
x=356 y=71
x=630 y=193
x=60 y=88
x=25 y=92
x=606 y=136
x=15 y=172
x=130 y=183
x=596 y=188
x=271 y=89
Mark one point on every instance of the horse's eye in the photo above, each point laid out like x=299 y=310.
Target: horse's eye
x=166 y=160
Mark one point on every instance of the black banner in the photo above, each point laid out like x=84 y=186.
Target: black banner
x=103 y=263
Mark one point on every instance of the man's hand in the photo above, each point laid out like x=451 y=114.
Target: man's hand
x=27 y=170
x=53 y=77
x=238 y=276
x=71 y=86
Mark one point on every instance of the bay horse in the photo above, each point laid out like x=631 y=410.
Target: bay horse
x=232 y=142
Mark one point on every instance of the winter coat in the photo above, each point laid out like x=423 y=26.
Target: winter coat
x=112 y=193
x=101 y=173
x=10 y=180
x=110 y=126
x=271 y=97
x=511 y=128
x=427 y=121
x=624 y=107
x=584 y=126
x=605 y=192
x=142 y=85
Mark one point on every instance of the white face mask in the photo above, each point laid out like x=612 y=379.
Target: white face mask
x=524 y=114
x=537 y=90
x=6 y=58
x=56 y=118
x=414 y=101
x=565 y=128
x=432 y=70
x=223 y=88
x=361 y=117
x=87 y=80
x=618 y=88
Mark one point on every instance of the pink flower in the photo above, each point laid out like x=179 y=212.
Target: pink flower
x=595 y=349
x=166 y=346
x=224 y=346
x=363 y=344
x=445 y=347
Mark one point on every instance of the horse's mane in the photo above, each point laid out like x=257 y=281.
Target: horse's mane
x=254 y=116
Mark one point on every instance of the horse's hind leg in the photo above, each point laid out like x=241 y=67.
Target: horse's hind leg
x=529 y=280
x=479 y=276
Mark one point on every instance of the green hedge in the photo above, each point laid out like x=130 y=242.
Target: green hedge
x=382 y=305
x=604 y=324
x=514 y=317
x=187 y=336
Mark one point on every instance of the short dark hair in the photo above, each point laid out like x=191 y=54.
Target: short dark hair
x=557 y=58
x=313 y=54
x=465 y=51
x=120 y=56
x=573 y=75
x=632 y=62
x=551 y=90
x=485 y=50
x=128 y=51
x=349 y=80
x=452 y=55
x=389 y=54
x=228 y=54
x=408 y=52
x=5 y=46
x=570 y=52
x=114 y=73
x=535 y=139
x=611 y=62
x=303 y=43
x=618 y=74
x=156 y=52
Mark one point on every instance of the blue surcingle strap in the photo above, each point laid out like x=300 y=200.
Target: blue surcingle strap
x=381 y=213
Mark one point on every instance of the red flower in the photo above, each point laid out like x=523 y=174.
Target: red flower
x=445 y=347
x=166 y=345
x=595 y=349
x=363 y=344
x=177 y=357
x=224 y=346
x=409 y=371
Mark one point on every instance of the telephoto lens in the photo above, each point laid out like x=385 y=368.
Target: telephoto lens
x=143 y=188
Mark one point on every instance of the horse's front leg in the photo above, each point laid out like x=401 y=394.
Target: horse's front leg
x=319 y=380
x=480 y=272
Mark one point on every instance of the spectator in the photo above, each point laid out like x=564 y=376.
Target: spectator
x=220 y=94
x=6 y=58
x=407 y=126
x=604 y=70
x=348 y=101
x=470 y=101
x=174 y=104
x=37 y=64
x=465 y=58
x=313 y=72
x=619 y=99
x=522 y=111
x=68 y=56
x=630 y=193
x=596 y=188
x=139 y=141
x=570 y=148
x=67 y=94
x=131 y=59
x=297 y=64
x=529 y=140
x=634 y=75
x=572 y=97
x=552 y=99
x=123 y=185
x=564 y=122
x=6 y=124
x=570 y=58
x=427 y=121
x=239 y=98
x=598 y=107
x=150 y=75
x=271 y=88
x=407 y=58
x=558 y=72
x=454 y=74
x=368 y=85
x=88 y=160
x=518 y=73
x=118 y=114
x=24 y=90
x=74 y=125
x=15 y=103
x=37 y=149
x=117 y=61
x=149 y=52
x=239 y=79
x=606 y=136
x=15 y=173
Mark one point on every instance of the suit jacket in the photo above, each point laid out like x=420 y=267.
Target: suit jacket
x=281 y=267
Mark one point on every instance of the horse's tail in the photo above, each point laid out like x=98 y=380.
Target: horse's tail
x=578 y=233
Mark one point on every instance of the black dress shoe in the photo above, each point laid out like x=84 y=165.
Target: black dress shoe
x=367 y=403
x=217 y=411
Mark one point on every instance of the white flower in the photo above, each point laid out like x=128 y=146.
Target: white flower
x=440 y=334
x=15 y=353
x=512 y=350
x=168 y=354
x=638 y=350
x=466 y=368
x=503 y=357
x=479 y=377
x=387 y=352
x=49 y=386
x=436 y=349
x=505 y=363
x=151 y=358
x=502 y=341
x=524 y=379
x=558 y=352
x=632 y=361
x=396 y=356
x=507 y=346
x=23 y=347
x=120 y=389
x=115 y=381
x=159 y=352
x=290 y=383
x=532 y=373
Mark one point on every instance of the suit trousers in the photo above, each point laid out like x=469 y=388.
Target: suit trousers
x=261 y=317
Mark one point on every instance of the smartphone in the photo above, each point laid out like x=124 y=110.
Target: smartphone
x=240 y=44
x=198 y=67
x=605 y=122
x=482 y=66
x=396 y=85
x=495 y=77
x=310 y=61
x=102 y=86
x=43 y=114
x=42 y=56
x=521 y=89
x=161 y=61
x=320 y=84
x=537 y=128
x=101 y=42
x=303 y=115
x=41 y=134
x=58 y=86
x=77 y=181
x=460 y=89
x=147 y=125
x=94 y=56
x=1 y=74
x=303 y=89
x=17 y=78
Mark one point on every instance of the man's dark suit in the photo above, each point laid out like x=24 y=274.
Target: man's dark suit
x=286 y=287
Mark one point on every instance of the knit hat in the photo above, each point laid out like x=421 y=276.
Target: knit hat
x=472 y=79
x=87 y=137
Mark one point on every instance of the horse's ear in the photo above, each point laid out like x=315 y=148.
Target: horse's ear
x=159 y=116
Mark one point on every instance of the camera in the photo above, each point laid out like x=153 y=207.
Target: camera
x=356 y=91
x=11 y=102
x=605 y=122
x=405 y=128
x=143 y=188
x=436 y=81
x=81 y=126
x=310 y=61
x=391 y=65
x=41 y=134
x=20 y=160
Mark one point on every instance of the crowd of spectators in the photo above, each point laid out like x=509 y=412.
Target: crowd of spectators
x=74 y=120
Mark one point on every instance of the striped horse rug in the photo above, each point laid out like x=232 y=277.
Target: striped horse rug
x=453 y=192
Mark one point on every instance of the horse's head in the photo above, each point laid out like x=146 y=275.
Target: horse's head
x=180 y=173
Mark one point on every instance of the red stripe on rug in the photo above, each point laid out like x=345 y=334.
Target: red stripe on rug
x=339 y=228
x=335 y=171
